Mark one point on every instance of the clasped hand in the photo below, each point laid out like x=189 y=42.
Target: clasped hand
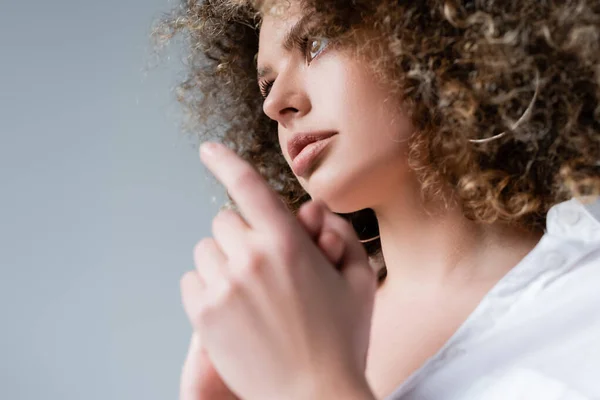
x=280 y=305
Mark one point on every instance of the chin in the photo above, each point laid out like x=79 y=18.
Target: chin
x=340 y=192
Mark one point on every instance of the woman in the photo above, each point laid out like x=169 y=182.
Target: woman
x=460 y=138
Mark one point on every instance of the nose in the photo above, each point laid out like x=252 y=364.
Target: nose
x=287 y=100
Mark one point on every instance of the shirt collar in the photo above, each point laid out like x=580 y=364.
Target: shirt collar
x=575 y=219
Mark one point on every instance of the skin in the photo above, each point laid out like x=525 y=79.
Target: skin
x=262 y=272
x=333 y=92
x=439 y=263
x=199 y=378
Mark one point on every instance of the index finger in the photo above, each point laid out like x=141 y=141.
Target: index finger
x=259 y=205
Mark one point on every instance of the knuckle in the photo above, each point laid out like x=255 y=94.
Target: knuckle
x=228 y=291
x=253 y=263
x=222 y=218
x=231 y=290
x=216 y=302
x=202 y=246
x=186 y=279
x=246 y=180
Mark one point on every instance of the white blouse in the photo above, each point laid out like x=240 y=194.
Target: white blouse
x=536 y=334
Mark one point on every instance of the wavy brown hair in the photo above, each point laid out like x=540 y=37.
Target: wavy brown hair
x=461 y=70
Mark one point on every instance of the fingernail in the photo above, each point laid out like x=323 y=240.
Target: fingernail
x=209 y=148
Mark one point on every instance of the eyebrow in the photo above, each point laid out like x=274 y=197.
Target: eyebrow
x=290 y=38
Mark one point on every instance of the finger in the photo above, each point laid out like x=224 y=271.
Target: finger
x=210 y=264
x=354 y=261
x=190 y=384
x=259 y=205
x=199 y=378
x=192 y=295
x=332 y=246
x=310 y=215
x=353 y=249
x=230 y=232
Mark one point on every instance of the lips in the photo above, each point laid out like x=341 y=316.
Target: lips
x=305 y=148
x=299 y=141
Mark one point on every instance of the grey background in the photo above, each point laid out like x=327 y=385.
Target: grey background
x=102 y=199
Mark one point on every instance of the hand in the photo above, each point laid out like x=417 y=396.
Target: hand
x=199 y=379
x=273 y=315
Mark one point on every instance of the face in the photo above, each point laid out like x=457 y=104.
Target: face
x=323 y=90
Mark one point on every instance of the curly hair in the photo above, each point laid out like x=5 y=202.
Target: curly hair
x=462 y=70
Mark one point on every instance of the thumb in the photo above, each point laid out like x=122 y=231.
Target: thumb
x=199 y=379
x=189 y=385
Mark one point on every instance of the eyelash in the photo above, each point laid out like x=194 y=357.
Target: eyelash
x=302 y=44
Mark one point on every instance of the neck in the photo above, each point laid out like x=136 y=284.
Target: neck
x=434 y=246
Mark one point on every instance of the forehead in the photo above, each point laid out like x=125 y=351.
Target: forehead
x=281 y=11
x=275 y=25
x=274 y=28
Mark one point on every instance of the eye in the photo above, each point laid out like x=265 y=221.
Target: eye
x=265 y=87
x=311 y=47
x=316 y=46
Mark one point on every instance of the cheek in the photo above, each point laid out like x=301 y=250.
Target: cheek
x=335 y=89
x=361 y=109
x=345 y=90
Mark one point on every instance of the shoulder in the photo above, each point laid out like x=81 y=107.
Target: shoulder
x=571 y=243
x=575 y=220
x=539 y=334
